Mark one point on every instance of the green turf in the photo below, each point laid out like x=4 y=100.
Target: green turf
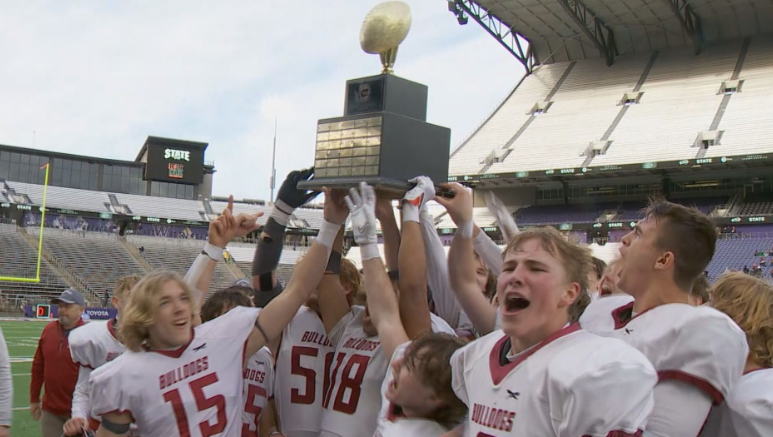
x=22 y=340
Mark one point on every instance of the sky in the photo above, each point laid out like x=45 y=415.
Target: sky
x=96 y=78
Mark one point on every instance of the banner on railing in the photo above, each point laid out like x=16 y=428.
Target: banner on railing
x=46 y=311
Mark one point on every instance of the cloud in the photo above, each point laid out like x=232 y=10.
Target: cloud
x=96 y=78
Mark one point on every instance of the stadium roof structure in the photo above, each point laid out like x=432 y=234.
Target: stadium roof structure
x=548 y=31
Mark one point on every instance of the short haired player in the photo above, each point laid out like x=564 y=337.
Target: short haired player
x=699 y=352
x=542 y=374
x=258 y=412
x=176 y=380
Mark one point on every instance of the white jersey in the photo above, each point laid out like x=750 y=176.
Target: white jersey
x=699 y=346
x=193 y=391
x=353 y=403
x=604 y=305
x=91 y=346
x=572 y=384
x=748 y=410
x=95 y=344
x=302 y=374
x=258 y=389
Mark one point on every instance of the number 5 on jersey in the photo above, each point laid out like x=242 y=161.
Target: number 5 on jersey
x=309 y=394
x=203 y=403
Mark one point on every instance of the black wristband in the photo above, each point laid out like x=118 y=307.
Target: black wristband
x=334 y=263
x=266 y=281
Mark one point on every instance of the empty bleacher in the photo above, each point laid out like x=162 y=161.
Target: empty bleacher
x=681 y=97
x=506 y=120
x=68 y=198
x=756 y=205
x=746 y=124
x=18 y=259
x=96 y=259
x=584 y=107
x=177 y=255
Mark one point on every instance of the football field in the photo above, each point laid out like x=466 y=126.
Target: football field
x=22 y=339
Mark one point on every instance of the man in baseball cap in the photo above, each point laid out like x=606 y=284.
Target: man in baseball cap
x=53 y=367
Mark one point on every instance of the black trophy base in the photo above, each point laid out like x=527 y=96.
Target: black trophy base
x=393 y=187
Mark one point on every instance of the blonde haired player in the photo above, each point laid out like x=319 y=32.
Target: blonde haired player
x=748 y=409
x=182 y=381
x=91 y=346
x=542 y=375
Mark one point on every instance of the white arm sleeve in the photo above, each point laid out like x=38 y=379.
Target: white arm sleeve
x=193 y=274
x=446 y=305
x=680 y=410
x=80 y=398
x=489 y=252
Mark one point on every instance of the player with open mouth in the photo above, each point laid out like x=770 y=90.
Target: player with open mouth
x=540 y=374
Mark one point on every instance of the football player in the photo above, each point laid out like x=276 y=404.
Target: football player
x=417 y=399
x=258 y=414
x=93 y=345
x=353 y=400
x=747 y=409
x=178 y=381
x=699 y=352
x=543 y=375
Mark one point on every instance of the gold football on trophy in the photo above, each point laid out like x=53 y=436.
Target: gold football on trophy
x=384 y=28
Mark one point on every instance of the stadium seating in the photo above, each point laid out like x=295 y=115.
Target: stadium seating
x=746 y=123
x=68 y=198
x=177 y=255
x=681 y=96
x=504 y=123
x=735 y=253
x=18 y=260
x=97 y=259
x=756 y=205
x=585 y=106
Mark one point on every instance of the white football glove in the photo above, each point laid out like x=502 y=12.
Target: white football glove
x=423 y=192
x=362 y=205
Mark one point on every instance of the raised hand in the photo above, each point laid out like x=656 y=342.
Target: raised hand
x=227 y=227
x=362 y=205
x=289 y=193
x=335 y=210
x=460 y=206
x=423 y=192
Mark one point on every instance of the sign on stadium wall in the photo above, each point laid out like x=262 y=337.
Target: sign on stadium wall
x=711 y=163
x=52 y=312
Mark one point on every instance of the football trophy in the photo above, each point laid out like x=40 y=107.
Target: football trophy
x=383 y=137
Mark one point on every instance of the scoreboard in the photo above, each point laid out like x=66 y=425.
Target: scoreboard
x=174 y=163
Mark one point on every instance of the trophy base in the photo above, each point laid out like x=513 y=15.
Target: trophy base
x=393 y=188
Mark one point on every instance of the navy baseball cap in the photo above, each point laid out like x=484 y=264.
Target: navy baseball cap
x=70 y=296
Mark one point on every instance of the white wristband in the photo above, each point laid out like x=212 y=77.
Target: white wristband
x=281 y=212
x=369 y=251
x=465 y=230
x=328 y=233
x=212 y=251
